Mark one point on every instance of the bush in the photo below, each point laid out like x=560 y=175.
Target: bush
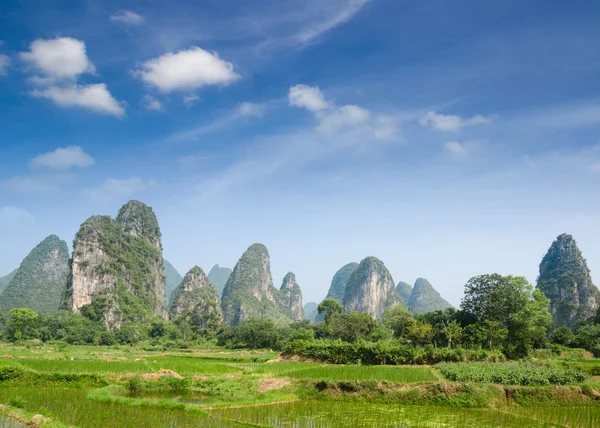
x=383 y=352
x=17 y=402
x=136 y=385
x=522 y=373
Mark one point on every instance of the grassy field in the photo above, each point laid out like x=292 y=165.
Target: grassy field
x=126 y=387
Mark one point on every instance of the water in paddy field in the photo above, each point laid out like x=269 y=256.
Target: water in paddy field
x=6 y=422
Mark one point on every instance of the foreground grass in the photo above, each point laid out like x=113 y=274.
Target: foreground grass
x=401 y=374
x=70 y=406
x=334 y=414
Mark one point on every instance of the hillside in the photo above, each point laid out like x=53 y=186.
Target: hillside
x=118 y=268
x=218 y=277
x=424 y=298
x=40 y=280
x=172 y=280
x=566 y=281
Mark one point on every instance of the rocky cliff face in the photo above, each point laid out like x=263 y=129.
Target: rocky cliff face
x=249 y=291
x=424 y=298
x=172 y=280
x=566 y=281
x=117 y=271
x=197 y=299
x=404 y=290
x=291 y=295
x=218 y=277
x=40 y=281
x=371 y=289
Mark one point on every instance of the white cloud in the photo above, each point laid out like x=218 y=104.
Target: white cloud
x=127 y=17
x=460 y=150
x=308 y=97
x=4 y=63
x=151 y=103
x=15 y=216
x=251 y=109
x=347 y=118
x=187 y=69
x=94 y=97
x=386 y=128
x=190 y=100
x=60 y=58
x=343 y=117
x=113 y=188
x=450 y=122
x=319 y=27
x=63 y=158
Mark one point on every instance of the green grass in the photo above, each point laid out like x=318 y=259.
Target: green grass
x=401 y=374
x=339 y=414
x=71 y=407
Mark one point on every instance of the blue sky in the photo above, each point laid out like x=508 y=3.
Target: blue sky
x=447 y=138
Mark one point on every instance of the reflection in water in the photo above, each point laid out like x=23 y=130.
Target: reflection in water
x=6 y=422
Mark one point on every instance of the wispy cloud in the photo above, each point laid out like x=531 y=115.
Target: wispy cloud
x=127 y=17
x=152 y=104
x=450 y=122
x=63 y=158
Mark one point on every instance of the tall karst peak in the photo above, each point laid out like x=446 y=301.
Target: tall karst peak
x=172 y=280
x=424 y=298
x=371 y=289
x=291 y=295
x=249 y=291
x=196 y=298
x=339 y=281
x=118 y=267
x=404 y=289
x=566 y=281
x=138 y=219
x=40 y=280
x=218 y=277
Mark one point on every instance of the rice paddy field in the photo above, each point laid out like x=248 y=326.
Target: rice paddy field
x=87 y=386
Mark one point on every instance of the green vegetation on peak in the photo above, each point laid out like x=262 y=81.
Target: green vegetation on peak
x=6 y=279
x=566 y=281
x=172 y=280
x=404 y=289
x=117 y=268
x=218 y=277
x=424 y=298
x=371 y=289
x=196 y=300
x=339 y=282
x=137 y=219
x=249 y=291
x=40 y=281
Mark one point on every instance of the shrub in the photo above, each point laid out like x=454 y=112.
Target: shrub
x=17 y=402
x=383 y=352
x=522 y=373
x=136 y=385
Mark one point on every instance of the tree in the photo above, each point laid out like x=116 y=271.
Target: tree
x=397 y=318
x=453 y=332
x=329 y=307
x=21 y=324
x=420 y=334
x=510 y=310
x=563 y=336
x=351 y=327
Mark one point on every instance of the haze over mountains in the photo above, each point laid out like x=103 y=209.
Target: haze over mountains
x=117 y=275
